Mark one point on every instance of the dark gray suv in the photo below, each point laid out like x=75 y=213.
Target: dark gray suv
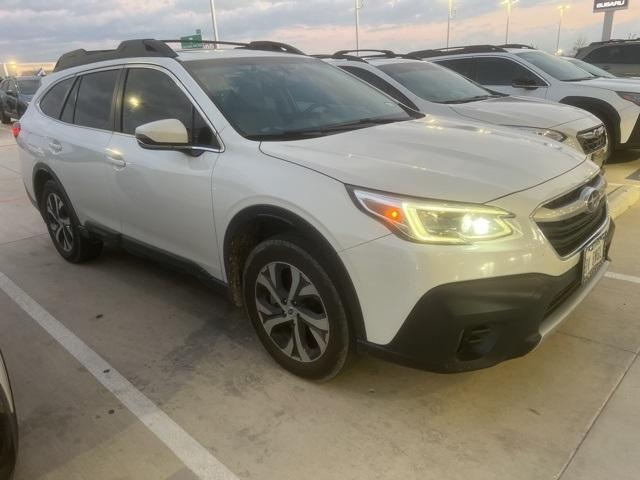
x=620 y=57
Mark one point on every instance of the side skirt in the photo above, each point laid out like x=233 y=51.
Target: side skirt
x=113 y=238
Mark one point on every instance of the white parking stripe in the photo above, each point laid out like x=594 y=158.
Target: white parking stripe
x=197 y=458
x=622 y=276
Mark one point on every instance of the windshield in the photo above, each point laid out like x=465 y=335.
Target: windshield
x=434 y=83
x=556 y=67
x=284 y=98
x=592 y=69
x=28 y=86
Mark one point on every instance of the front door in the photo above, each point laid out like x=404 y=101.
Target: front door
x=507 y=76
x=165 y=196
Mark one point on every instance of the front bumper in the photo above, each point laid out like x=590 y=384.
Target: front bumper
x=475 y=324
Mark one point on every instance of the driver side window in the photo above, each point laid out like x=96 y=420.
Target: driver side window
x=150 y=95
x=502 y=71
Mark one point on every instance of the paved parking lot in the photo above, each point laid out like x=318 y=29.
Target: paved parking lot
x=568 y=410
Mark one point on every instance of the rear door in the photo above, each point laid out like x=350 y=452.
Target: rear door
x=76 y=145
x=165 y=196
x=12 y=98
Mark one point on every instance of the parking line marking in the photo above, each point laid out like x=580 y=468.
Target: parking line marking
x=196 y=457
x=622 y=276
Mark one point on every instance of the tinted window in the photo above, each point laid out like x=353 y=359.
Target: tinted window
x=631 y=54
x=28 y=86
x=434 y=83
x=280 y=98
x=151 y=95
x=51 y=103
x=464 y=66
x=380 y=84
x=502 y=71
x=93 y=105
x=70 y=104
x=554 y=66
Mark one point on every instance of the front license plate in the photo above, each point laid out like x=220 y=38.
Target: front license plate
x=592 y=258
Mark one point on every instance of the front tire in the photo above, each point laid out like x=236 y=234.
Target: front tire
x=296 y=309
x=63 y=226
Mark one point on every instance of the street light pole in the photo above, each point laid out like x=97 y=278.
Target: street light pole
x=509 y=4
x=358 y=6
x=214 y=20
x=449 y=18
x=562 y=9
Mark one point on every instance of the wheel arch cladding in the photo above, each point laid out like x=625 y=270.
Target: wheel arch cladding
x=41 y=174
x=599 y=108
x=257 y=223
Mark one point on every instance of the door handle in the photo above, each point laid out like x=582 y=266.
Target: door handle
x=55 y=146
x=606 y=67
x=115 y=158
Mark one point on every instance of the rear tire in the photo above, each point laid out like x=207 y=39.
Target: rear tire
x=63 y=226
x=295 y=308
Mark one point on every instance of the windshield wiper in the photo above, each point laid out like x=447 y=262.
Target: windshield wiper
x=325 y=130
x=471 y=99
x=580 y=79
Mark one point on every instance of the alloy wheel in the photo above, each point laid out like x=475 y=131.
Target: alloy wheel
x=292 y=312
x=59 y=222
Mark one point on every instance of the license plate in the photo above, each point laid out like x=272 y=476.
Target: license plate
x=592 y=258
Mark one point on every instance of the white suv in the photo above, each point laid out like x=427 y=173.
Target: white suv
x=436 y=90
x=338 y=218
x=524 y=71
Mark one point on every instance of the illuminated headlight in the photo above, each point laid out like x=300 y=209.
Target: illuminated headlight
x=543 y=132
x=432 y=221
x=631 y=96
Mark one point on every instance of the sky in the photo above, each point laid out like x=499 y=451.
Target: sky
x=41 y=30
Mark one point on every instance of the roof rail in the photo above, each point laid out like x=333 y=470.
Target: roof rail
x=156 y=48
x=517 y=45
x=255 y=45
x=440 y=52
x=616 y=40
x=128 y=49
x=376 y=53
x=339 y=57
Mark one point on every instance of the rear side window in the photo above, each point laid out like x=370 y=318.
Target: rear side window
x=464 y=66
x=95 y=95
x=51 y=103
x=605 y=55
x=501 y=71
x=150 y=95
x=380 y=84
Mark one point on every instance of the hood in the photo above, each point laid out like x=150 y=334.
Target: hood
x=616 y=84
x=433 y=158
x=520 y=111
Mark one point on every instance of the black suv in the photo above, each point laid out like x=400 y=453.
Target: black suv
x=620 y=57
x=15 y=95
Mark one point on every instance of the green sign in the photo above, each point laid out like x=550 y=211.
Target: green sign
x=192 y=41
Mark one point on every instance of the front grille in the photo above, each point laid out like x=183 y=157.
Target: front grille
x=567 y=235
x=593 y=140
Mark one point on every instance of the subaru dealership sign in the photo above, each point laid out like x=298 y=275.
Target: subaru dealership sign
x=607 y=5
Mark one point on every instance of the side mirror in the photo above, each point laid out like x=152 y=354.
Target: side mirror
x=526 y=83
x=169 y=134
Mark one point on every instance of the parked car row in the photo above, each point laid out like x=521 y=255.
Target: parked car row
x=340 y=216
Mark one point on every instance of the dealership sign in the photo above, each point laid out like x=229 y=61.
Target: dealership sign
x=606 y=5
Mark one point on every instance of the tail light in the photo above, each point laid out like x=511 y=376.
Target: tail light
x=15 y=129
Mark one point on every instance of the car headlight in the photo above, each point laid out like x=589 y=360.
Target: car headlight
x=433 y=221
x=632 y=97
x=543 y=132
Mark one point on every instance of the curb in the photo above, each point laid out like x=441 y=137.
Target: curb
x=621 y=199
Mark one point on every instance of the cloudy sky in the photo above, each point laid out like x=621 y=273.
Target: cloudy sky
x=38 y=30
